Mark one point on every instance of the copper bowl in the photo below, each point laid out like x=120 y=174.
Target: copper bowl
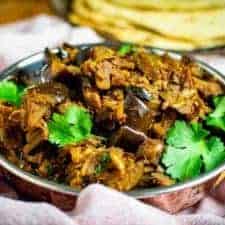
x=172 y=199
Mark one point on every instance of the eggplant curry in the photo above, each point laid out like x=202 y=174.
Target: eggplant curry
x=123 y=117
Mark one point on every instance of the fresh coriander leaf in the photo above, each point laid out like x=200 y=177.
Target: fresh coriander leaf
x=217 y=117
x=73 y=126
x=103 y=163
x=189 y=166
x=191 y=150
x=199 y=131
x=11 y=93
x=215 y=155
x=179 y=134
x=126 y=49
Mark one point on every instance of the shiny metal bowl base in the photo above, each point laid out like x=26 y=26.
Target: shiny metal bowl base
x=172 y=199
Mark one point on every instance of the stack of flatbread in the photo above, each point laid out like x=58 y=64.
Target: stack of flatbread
x=169 y=24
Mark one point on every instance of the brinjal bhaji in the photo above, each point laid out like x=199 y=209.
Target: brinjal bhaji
x=123 y=117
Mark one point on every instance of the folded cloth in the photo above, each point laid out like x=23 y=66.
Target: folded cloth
x=96 y=205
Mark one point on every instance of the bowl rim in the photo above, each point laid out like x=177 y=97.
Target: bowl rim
x=140 y=193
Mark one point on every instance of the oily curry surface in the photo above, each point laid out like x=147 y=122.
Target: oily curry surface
x=122 y=117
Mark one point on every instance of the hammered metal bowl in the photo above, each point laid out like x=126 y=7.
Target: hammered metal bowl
x=172 y=199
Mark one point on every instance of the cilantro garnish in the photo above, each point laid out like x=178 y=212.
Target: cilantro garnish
x=71 y=127
x=191 y=150
x=11 y=92
x=103 y=163
x=217 y=117
x=126 y=49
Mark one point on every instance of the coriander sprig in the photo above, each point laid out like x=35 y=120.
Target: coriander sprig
x=126 y=49
x=71 y=127
x=191 y=150
x=217 y=117
x=11 y=93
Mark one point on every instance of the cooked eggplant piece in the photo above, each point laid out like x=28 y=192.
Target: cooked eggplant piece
x=139 y=92
x=60 y=65
x=56 y=90
x=82 y=55
x=40 y=76
x=138 y=113
x=104 y=126
x=62 y=54
x=127 y=138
